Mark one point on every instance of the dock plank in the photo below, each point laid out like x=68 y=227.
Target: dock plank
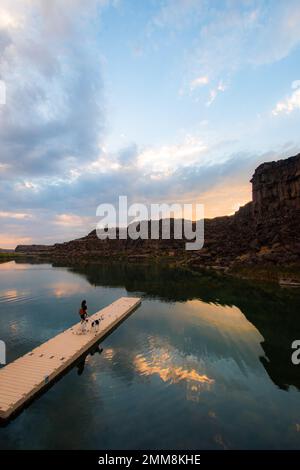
x=26 y=376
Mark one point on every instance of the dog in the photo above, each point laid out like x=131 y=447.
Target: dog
x=95 y=325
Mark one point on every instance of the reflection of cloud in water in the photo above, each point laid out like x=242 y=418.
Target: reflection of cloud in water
x=14 y=295
x=213 y=332
x=168 y=363
x=14 y=327
x=220 y=441
x=226 y=332
x=66 y=289
x=170 y=372
x=17 y=328
x=172 y=367
x=9 y=294
x=13 y=266
x=229 y=319
x=194 y=389
x=108 y=354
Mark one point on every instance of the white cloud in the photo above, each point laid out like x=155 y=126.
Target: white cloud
x=198 y=82
x=290 y=103
x=166 y=159
x=72 y=220
x=15 y=215
x=4 y=167
x=295 y=84
x=177 y=13
x=214 y=93
x=231 y=35
x=51 y=65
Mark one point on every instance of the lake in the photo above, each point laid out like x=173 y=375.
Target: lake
x=203 y=363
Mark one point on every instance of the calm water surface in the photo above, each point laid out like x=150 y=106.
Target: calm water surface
x=203 y=363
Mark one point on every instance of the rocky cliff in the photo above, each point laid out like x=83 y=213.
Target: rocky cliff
x=31 y=249
x=276 y=187
x=264 y=231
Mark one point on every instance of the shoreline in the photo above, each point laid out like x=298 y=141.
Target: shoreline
x=288 y=276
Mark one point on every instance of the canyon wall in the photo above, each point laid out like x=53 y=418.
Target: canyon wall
x=276 y=187
x=264 y=231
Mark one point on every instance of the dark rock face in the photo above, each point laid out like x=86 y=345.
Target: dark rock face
x=33 y=248
x=265 y=230
x=276 y=209
x=276 y=187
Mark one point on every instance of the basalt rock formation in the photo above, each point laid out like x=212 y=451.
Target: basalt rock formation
x=264 y=231
x=32 y=249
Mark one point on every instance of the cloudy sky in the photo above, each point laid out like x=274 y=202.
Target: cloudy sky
x=162 y=101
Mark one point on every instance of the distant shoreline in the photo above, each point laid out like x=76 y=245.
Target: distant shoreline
x=288 y=276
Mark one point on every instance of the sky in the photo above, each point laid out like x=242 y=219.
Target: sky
x=160 y=100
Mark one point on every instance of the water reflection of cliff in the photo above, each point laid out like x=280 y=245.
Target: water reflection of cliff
x=274 y=311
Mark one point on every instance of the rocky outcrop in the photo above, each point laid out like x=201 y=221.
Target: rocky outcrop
x=276 y=187
x=34 y=249
x=264 y=231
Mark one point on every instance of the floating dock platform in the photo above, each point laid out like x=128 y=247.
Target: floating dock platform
x=23 y=378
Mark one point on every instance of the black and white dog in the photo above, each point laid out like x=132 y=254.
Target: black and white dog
x=95 y=326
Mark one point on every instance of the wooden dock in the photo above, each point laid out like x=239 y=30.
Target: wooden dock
x=22 y=379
